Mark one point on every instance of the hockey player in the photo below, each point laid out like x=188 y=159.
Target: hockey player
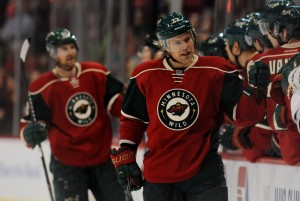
x=72 y=104
x=280 y=19
x=180 y=101
x=286 y=113
x=254 y=37
x=255 y=141
x=275 y=22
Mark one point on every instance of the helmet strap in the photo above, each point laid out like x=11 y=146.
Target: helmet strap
x=169 y=56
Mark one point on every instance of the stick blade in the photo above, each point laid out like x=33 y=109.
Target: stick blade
x=24 y=49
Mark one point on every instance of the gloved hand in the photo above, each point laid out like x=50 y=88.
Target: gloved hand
x=259 y=78
x=35 y=133
x=128 y=171
x=235 y=137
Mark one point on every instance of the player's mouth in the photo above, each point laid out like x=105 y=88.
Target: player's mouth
x=70 y=58
x=187 y=54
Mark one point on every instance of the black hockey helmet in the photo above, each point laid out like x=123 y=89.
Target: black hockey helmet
x=253 y=15
x=214 y=46
x=59 y=37
x=270 y=14
x=173 y=25
x=290 y=19
x=151 y=41
x=235 y=31
x=253 y=33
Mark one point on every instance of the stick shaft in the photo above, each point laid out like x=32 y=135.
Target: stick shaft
x=23 y=53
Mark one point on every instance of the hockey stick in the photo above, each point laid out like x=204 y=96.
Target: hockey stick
x=23 y=53
x=128 y=196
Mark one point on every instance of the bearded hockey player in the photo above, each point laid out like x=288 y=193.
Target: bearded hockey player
x=72 y=103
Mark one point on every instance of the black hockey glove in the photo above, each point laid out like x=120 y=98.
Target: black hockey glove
x=259 y=78
x=235 y=137
x=129 y=173
x=35 y=133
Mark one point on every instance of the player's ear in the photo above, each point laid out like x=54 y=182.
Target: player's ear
x=284 y=35
x=236 y=50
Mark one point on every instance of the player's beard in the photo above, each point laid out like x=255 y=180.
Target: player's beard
x=67 y=64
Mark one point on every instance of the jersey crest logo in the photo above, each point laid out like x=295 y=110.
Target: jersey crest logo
x=178 y=109
x=81 y=109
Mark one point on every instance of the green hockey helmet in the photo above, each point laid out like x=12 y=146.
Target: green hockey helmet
x=59 y=37
x=173 y=25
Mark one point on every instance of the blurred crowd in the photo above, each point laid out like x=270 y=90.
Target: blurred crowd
x=32 y=24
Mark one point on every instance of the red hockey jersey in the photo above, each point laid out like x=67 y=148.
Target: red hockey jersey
x=288 y=139
x=275 y=59
x=180 y=110
x=77 y=113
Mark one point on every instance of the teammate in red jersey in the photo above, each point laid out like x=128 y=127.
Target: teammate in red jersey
x=280 y=20
x=73 y=103
x=255 y=141
x=278 y=17
x=179 y=101
x=286 y=113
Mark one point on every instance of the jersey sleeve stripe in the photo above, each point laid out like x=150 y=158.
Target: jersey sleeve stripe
x=111 y=102
x=132 y=117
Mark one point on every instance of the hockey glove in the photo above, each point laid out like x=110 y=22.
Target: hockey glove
x=235 y=137
x=35 y=133
x=259 y=78
x=128 y=171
